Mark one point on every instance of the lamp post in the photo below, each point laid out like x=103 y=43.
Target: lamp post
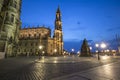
x=103 y=45
x=40 y=47
x=97 y=45
x=78 y=53
x=43 y=52
x=73 y=51
x=90 y=49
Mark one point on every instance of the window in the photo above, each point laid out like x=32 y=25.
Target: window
x=12 y=18
x=31 y=44
x=35 y=35
x=24 y=50
x=31 y=50
x=39 y=35
x=18 y=50
x=25 y=44
x=7 y=17
x=29 y=35
x=6 y=14
x=36 y=44
x=15 y=4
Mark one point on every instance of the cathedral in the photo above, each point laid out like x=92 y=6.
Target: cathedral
x=15 y=41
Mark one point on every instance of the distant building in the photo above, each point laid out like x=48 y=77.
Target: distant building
x=31 y=38
x=85 y=49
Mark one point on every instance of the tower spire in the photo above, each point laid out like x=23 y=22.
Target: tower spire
x=58 y=23
x=58 y=35
x=58 y=9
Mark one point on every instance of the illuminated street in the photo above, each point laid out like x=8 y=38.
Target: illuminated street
x=60 y=68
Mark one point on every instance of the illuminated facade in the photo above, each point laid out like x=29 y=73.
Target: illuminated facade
x=9 y=25
x=31 y=38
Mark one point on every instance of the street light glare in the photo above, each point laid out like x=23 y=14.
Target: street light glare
x=103 y=45
x=97 y=45
x=40 y=47
x=55 y=50
x=90 y=48
x=72 y=50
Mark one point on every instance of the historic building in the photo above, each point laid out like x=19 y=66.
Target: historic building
x=9 y=25
x=38 y=40
x=27 y=41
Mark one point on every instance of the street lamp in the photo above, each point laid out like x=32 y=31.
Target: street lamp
x=55 y=50
x=40 y=47
x=97 y=45
x=90 y=48
x=103 y=45
x=43 y=52
x=73 y=51
x=78 y=53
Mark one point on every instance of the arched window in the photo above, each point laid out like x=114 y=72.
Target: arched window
x=29 y=35
x=35 y=35
x=15 y=4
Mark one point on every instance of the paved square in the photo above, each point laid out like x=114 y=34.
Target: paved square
x=60 y=68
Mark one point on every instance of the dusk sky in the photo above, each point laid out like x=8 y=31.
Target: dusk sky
x=92 y=19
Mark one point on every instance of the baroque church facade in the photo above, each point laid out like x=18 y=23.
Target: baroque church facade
x=15 y=40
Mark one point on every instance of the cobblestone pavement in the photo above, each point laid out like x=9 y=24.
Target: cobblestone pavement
x=106 y=72
x=49 y=68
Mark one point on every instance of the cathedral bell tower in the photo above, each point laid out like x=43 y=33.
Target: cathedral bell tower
x=9 y=25
x=58 y=23
x=58 y=35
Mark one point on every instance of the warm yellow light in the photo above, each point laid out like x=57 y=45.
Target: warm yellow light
x=43 y=57
x=40 y=47
x=43 y=52
x=55 y=50
x=64 y=56
x=55 y=61
x=105 y=57
x=108 y=50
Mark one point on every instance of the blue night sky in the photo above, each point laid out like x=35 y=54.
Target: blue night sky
x=95 y=20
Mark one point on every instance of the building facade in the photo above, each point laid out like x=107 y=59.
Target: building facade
x=38 y=40
x=9 y=25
